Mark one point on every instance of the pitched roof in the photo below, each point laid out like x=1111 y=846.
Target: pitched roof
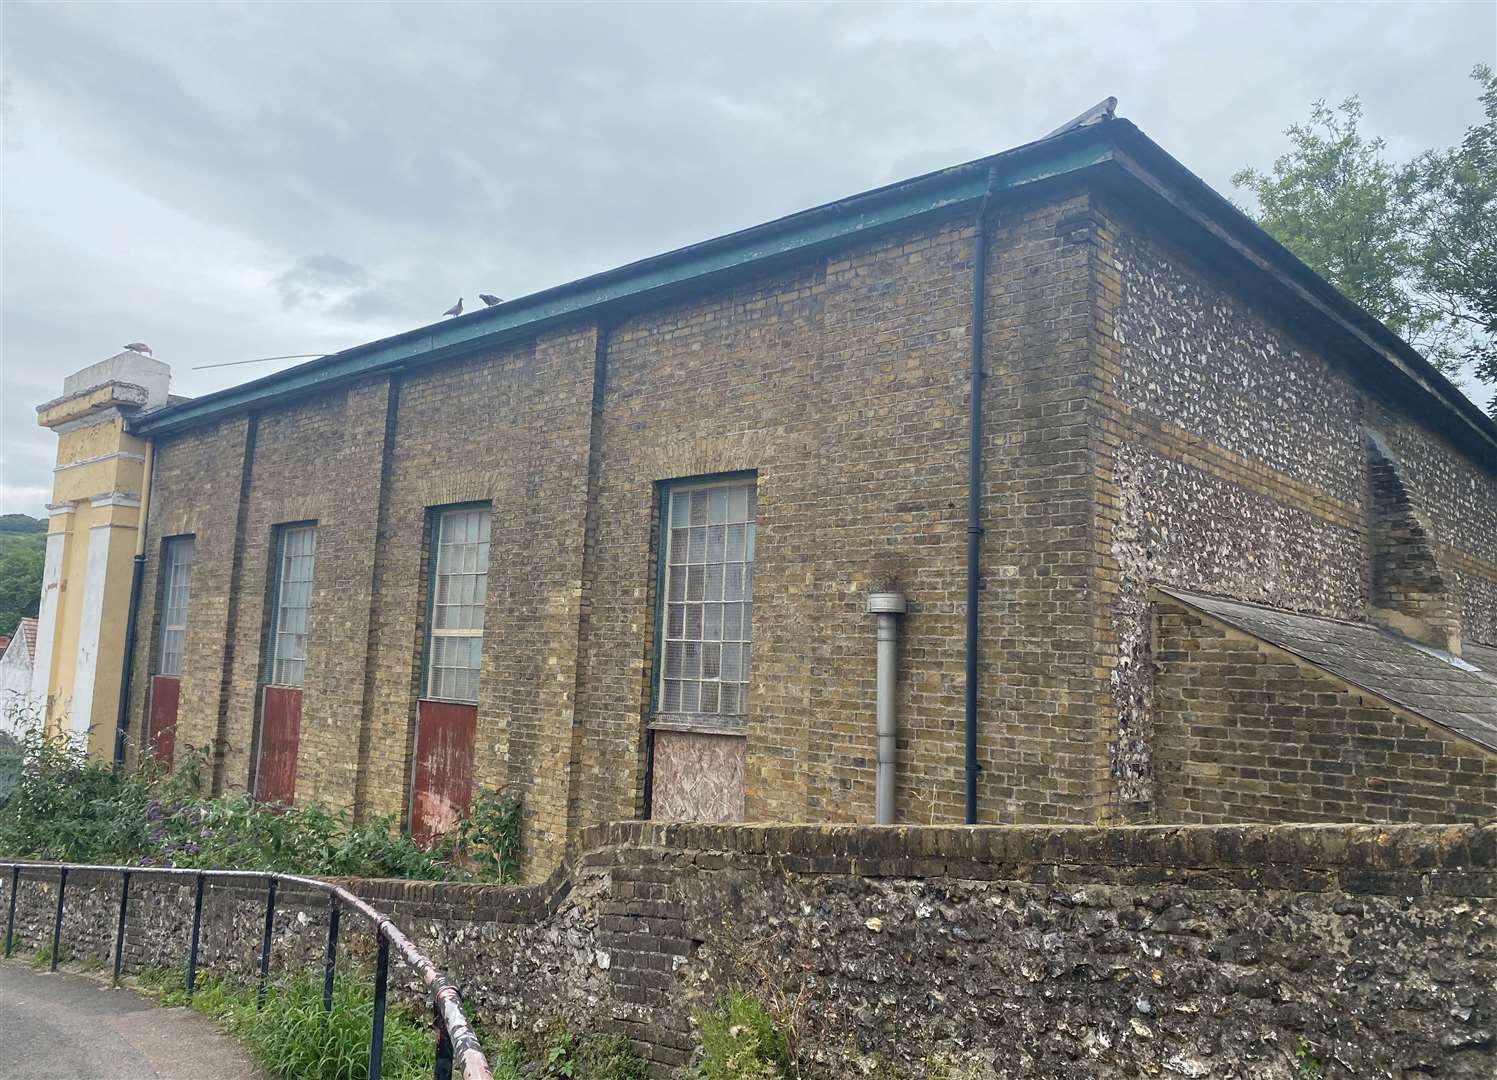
x=1455 y=693
x=1483 y=656
x=1108 y=149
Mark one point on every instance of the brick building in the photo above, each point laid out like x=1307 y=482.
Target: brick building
x=609 y=546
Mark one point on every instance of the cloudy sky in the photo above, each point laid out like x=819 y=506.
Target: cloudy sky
x=228 y=182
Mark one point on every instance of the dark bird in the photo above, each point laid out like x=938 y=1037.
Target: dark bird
x=455 y=309
x=140 y=347
x=489 y=299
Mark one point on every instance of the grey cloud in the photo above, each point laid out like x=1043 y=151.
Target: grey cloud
x=332 y=284
x=372 y=162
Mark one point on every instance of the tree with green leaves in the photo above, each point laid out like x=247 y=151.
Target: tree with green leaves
x=1457 y=222
x=1414 y=243
x=21 y=560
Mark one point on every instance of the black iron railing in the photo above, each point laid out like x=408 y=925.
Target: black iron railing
x=456 y=1042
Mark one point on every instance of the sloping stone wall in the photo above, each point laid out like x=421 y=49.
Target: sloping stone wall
x=1213 y=951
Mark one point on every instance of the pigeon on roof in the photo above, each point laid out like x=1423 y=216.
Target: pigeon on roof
x=455 y=309
x=140 y=347
x=489 y=299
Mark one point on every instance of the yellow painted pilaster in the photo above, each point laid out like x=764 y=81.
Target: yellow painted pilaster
x=96 y=517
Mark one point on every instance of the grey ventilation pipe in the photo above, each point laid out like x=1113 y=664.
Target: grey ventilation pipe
x=887 y=607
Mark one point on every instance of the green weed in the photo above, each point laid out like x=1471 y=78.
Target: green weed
x=741 y=1041
x=293 y=1037
x=1306 y=1065
x=42 y=958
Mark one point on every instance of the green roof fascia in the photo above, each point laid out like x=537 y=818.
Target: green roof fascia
x=800 y=234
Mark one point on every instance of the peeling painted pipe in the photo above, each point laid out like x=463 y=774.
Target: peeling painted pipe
x=974 y=486
x=887 y=607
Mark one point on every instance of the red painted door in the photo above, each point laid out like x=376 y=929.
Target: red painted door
x=280 y=733
x=161 y=729
x=443 y=785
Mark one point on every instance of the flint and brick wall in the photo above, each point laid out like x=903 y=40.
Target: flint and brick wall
x=1222 y=952
x=1233 y=459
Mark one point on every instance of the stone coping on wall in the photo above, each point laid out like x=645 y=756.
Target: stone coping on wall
x=900 y=851
x=1384 y=859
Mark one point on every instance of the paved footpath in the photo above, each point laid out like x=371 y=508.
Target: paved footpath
x=71 y=1027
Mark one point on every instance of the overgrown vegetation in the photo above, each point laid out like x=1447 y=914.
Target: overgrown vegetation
x=741 y=1040
x=293 y=1037
x=69 y=808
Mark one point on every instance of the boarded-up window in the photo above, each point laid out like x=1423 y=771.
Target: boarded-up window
x=707 y=623
x=176 y=586
x=459 y=589
x=296 y=551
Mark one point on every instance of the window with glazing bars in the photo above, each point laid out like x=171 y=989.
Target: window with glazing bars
x=296 y=551
x=708 y=602
x=459 y=587
x=176 y=585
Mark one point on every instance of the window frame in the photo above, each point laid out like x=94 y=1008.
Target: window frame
x=273 y=623
x=169 y=562
x=434 y=515
x=725 y=723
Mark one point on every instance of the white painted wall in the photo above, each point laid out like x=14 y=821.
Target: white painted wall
x=17 y=702
x=91 y=619
x=46 y=620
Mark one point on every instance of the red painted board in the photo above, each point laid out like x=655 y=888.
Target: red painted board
x=161 y=730
x=443 y=787
x=280 y=734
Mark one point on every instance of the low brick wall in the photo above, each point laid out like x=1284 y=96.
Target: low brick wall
x=1206 y=951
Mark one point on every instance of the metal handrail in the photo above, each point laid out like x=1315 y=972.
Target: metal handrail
x=455 y=1038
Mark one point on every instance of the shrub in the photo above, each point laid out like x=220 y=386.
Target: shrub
x=66 y=807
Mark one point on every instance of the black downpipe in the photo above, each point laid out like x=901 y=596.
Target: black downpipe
x=974 y=489
x=127 y=669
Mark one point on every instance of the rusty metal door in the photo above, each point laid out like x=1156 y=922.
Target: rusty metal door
x=443 y=784
x=161 y=727
x=280 y=734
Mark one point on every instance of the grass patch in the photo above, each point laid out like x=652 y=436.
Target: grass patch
x=742 y=1041
x=293 y=1037
x=42 y=958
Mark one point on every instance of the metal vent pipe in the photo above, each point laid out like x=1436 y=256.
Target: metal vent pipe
x=887 y=607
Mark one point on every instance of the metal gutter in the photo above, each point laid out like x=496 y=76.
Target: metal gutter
x=694 y=267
